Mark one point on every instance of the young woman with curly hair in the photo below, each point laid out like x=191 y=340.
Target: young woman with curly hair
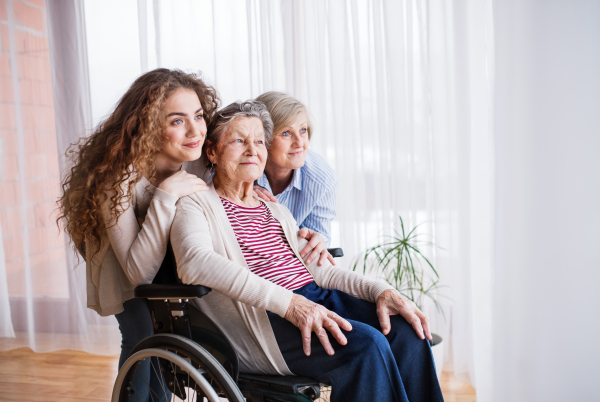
x=120 y=192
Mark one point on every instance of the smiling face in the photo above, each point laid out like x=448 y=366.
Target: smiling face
x=289 y=145
x=185 y=127
x=241 y=153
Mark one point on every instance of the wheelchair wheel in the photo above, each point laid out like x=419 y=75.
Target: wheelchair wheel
x=188 y=381
x=201 y=360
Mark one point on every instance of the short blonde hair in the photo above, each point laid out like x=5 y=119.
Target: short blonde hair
x=283 y=109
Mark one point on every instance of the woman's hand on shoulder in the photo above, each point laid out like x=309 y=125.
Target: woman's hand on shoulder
x=182 y=183
x=316 y=246
x=391 y=302
x=264 y=193
x=312 y=317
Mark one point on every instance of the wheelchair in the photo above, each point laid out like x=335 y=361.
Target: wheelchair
x=192 y=359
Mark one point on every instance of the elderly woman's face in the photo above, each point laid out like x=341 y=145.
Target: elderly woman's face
x=241 y=153
x=289 y=146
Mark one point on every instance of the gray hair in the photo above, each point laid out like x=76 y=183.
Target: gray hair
x=284 y=109
x=225 y=116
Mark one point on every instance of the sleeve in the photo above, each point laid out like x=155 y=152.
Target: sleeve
x=329 y=276
x=198 y=263
x=319 y=219
x=140 y=251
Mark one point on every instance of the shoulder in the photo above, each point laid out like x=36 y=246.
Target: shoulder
x=280 y=212
x=317 y=170
x=141 y=185
x=198 y=168
x=201 y=200
x=276 y=207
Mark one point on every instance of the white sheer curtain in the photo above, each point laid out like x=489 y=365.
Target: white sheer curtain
x=400 y=95
x=399 y=92
x=42 y=295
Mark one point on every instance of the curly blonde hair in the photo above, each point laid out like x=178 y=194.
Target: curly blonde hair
x=130 y=137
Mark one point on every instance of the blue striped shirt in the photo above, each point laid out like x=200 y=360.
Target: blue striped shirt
x=311 y=196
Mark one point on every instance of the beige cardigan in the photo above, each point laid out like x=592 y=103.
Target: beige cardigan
x=132 y=251
x=207 y=253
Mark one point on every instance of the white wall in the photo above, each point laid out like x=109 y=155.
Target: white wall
x=547 y=237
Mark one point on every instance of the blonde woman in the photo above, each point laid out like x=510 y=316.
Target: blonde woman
x=295 y=176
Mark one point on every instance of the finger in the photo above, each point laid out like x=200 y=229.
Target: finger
x=200 y=182
x=324 y=339
x=262 y=193
x=259 y=193
x=200 y=187
x=306 y=250
x=330 y=258
x=384 y=319
x=316 y=252
x=324 y=256
x=306 y=335
x=336 y=332
x=341 y=322
x=415 y=321
x=304 y=233
x=425 y=324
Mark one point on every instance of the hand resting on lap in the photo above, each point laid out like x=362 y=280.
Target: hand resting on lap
x=311 y=317
x=391 y=302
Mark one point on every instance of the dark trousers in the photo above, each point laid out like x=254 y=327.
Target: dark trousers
x=371 y=366
x=135 y=324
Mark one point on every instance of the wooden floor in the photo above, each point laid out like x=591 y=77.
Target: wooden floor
x=71 y=376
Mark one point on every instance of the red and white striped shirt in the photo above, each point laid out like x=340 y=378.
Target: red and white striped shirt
x=265 y=247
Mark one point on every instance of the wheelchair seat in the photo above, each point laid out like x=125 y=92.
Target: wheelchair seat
x=168 y=300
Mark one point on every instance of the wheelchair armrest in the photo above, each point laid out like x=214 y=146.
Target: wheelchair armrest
x=174 y=291
x=336 y=252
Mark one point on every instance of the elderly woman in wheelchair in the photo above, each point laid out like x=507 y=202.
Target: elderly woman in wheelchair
x=371 y=342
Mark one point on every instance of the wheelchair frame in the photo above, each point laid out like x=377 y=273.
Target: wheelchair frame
x=173 y=314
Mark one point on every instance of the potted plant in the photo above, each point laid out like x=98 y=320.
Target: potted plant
x=399 y=260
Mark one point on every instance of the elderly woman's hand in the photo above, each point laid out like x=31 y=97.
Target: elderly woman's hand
x=316 y=244
x=391 y=302
x=264 y=193
x=312 y=317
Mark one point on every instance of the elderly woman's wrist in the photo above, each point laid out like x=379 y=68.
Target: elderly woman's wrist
x=379 y=287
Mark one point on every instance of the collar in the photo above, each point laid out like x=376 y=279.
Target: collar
x=296 y=181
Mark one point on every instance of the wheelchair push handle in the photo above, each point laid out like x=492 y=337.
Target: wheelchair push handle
x=336 y=252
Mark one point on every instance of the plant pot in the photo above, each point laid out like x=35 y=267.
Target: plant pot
x=437 y=349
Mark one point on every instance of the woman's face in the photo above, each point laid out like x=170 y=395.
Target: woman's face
x=289 y=145
x=241 y=153
x=186 y=128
